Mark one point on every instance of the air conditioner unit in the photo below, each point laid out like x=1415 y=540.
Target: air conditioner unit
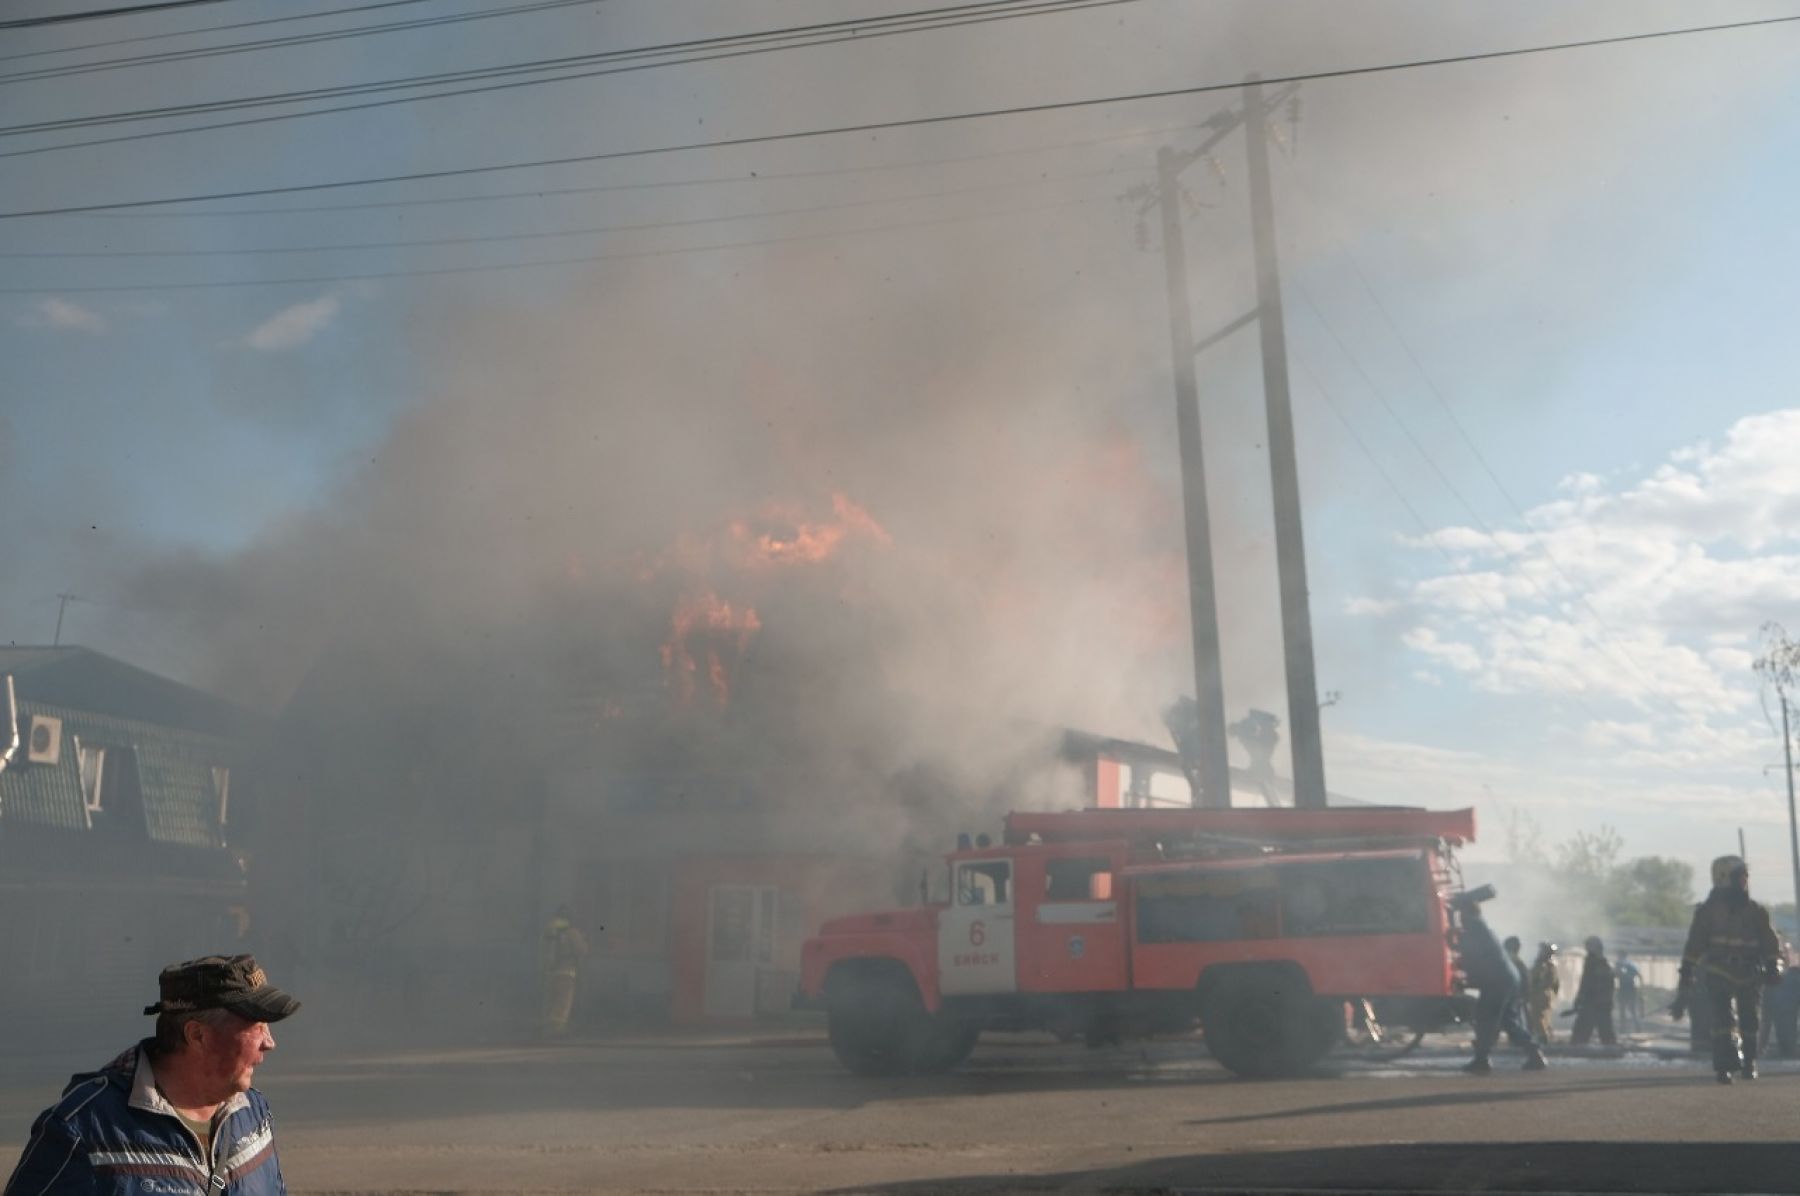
x=44 y=744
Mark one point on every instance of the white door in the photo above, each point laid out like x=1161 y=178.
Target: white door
x=975 y=935
x=740 y=940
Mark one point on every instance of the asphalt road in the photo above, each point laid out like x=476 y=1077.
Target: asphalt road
x=761 y=1114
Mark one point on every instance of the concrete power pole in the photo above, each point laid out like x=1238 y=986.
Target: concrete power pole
x=1284 y=477
x=1209 y=685
x=1787 y=755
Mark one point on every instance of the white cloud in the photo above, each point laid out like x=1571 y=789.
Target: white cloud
x=1640 y=593
x=294 y=326
x=1364 y=605
x=1629 y=605
x=64 y=316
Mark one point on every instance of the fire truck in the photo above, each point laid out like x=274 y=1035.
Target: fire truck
x=1260 y=926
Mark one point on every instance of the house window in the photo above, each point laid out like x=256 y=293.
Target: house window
x=91 y=762
x=221 y=776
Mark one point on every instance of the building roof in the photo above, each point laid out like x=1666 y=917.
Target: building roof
x=170 y=736
x=82 y=679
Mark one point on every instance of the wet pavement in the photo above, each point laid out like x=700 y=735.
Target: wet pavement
x=773 y=1112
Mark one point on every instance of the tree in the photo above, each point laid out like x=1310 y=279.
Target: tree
x=1591 y=856
x=1650 y=891
x=1646 y=891
x=1779 y=665
x=1524 y=838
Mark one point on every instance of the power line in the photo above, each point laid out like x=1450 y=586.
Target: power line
x=157 y=37
x=564 y=62
x=883 y=126
x=1362 y=446
x=95 y=14
x=1481 y=524
x=753 y=44
x=273 y=43
x=1579 y=596
x=559 y=261
x=712 y=180
x=808 y=210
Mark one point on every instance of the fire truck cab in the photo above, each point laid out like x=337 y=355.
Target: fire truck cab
x=1256 y=924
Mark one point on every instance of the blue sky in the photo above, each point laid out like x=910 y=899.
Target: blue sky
x=1589 y=258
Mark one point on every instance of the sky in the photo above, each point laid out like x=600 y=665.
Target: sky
x=1537 y=309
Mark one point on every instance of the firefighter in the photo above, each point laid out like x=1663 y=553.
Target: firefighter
x=1545 y=984
x=1781 y=1018
x=1732 y=944
x=1485 y=965
x=1631 y=997
x=563 y=948
x=1594 y=998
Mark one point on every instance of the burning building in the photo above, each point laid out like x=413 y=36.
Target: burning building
x=703 y=759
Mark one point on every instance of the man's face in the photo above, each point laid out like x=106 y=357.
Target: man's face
x=1740 y=879
x=230 y=1052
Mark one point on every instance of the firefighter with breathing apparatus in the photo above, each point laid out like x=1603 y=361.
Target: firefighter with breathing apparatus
x=1731 y=944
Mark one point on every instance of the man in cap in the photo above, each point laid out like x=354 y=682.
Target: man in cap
x=176 y=1112
x=1733 y=944
x=1545 y=984
x=1484 y=963
x=1594 y=998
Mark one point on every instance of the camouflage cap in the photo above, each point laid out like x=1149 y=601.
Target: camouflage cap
x=233 y=982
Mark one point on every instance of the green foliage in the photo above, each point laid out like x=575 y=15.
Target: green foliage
x=1650 y=891
x=1591 y=856
x=1647 y=891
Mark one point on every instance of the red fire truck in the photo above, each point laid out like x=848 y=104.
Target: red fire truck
x=1257 y=924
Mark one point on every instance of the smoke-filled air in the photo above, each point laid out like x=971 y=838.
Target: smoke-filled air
x=547 y=523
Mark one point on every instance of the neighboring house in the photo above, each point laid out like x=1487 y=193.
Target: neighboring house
x=119 y=826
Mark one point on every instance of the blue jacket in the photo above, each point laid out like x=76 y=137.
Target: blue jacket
x=114 y=1133
x=1483 y=959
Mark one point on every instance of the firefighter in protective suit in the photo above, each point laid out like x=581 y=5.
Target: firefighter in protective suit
x=1542 y=990
x=1594 y=999
x=563 y=947
x=1733 y=946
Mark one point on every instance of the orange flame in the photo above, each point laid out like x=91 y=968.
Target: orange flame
x=704 y=630
x=707 y=634
x=782 y=535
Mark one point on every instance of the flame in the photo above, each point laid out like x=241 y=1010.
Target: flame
x=703 y=631
x=708 y=635
x=782 y=535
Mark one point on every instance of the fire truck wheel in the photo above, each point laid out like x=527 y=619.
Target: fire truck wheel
x=871 y=1022
x=878 y=1026
x=944 y=1045
x=1268 y=1025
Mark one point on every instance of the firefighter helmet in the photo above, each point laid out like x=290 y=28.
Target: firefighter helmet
x=1594 y=945
x=1724 y=866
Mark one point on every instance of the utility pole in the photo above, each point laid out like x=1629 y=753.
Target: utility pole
x=62 y=604
x=1787 y=755
x=1203 y=611
x=1284 y=473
